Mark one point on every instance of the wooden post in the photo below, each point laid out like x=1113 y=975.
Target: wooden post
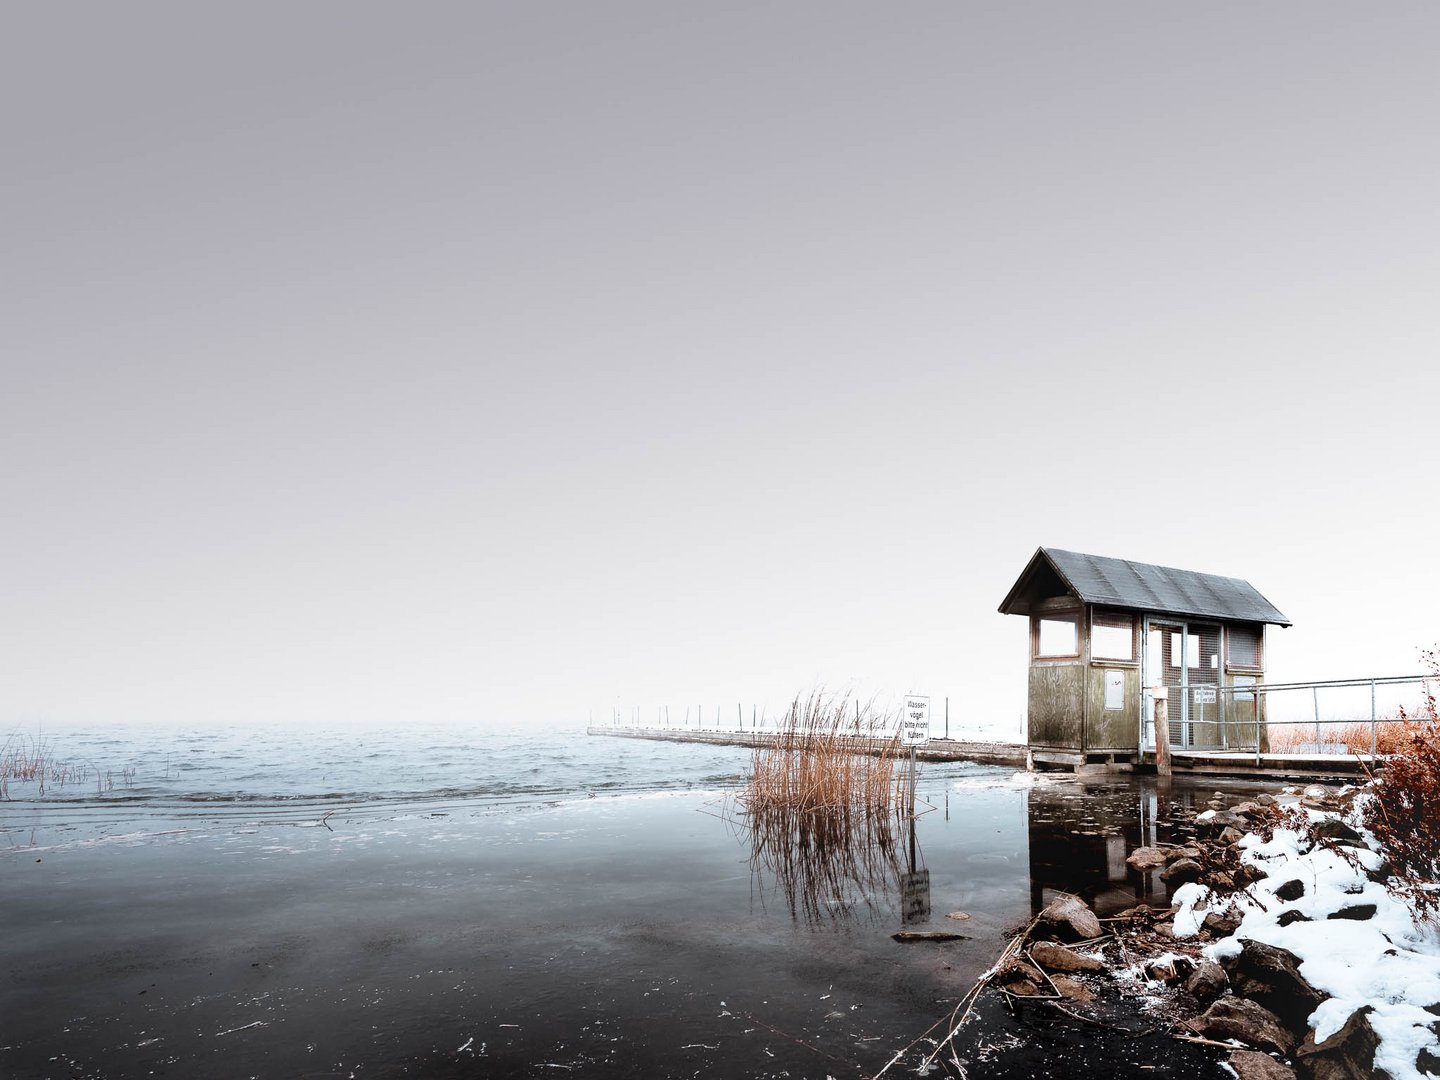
x=1162 y=731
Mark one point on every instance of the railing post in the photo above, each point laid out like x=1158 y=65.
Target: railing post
x=1315 y=695
x=1255 y=706
x=1373 y=720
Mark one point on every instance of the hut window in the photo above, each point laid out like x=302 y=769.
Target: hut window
x=1242 y=647
x=1112 y=637
x=1057 y=635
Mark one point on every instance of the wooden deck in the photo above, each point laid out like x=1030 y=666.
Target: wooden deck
x=1233 y=763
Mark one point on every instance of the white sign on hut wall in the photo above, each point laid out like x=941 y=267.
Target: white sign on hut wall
x=1114 y=690
x=915 y=721
x=1204 y=695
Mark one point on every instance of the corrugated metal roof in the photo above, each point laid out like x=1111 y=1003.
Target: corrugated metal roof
x=1122 y=583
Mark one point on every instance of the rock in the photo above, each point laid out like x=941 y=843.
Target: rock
x=1220 y=881
x=1230 y=835
x=1270 y=977
x=1222 y=923
x=1291 y=890
x=1291 y=916
x=1072 y=989
x=1319 y=797
x=1185 y=851
x=1357 y=912
x=1253 y=1065
x=1265 y=799
x=1427 y=1062
x=1238 y=1018
x=1207 y=982
x=1145 y=858
x=1139 y=911
x=1020 y=978
x=1055 y=957
x=1382 y=872
x=1250 y=808
x=1218 y=822
x=1069 y=919
x=1169 y=969
x=1349 y=1054
x=1336 y=831
x=1181 y=871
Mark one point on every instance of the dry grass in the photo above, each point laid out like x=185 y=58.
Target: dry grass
x=1392 y=735
x=822 y=805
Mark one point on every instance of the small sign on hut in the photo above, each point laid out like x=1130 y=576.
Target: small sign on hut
x=1107 y=635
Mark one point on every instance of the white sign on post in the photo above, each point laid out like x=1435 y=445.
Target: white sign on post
x=915 y=721
x=1204 y=695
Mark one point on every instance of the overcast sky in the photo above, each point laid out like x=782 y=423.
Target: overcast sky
x=490 y=364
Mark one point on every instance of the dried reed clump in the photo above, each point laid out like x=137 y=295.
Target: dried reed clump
x=822 y=803
x=832 y=757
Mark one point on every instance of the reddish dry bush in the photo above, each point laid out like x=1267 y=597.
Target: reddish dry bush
x=1403 y=811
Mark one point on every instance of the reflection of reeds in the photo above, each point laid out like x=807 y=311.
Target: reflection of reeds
x=822 y=805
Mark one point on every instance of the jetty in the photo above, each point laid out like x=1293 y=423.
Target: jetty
x=982 y=753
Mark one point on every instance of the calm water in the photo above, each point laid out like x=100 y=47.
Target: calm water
x=410 y=903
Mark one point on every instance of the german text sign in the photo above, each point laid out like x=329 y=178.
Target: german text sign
x=915 y=721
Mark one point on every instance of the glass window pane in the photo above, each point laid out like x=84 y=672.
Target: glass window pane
x=1059 y=637
x=1112 y=639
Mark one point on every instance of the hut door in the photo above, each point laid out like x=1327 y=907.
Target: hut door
x=1185 y=659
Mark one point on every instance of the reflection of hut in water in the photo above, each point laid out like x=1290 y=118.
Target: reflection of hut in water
x=1080 y=837
x=1104 y=630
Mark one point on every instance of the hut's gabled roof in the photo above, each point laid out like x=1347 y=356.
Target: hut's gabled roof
x=1120 y=583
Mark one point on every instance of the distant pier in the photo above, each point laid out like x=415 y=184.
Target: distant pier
x=982 y=753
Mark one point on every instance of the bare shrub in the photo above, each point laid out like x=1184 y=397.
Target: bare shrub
x=1403 y=808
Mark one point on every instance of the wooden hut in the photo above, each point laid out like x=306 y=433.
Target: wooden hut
x=1104 y=632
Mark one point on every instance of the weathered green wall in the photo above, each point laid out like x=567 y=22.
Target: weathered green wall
x=1056 y=696
x=1117 y=729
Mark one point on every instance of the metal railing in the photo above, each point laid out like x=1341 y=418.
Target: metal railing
x=1236 y=700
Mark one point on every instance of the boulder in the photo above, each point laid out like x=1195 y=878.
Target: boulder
x=1217 y=822
x=1020 y=978
x=1055 y=957
x=1336 y=831
x=1222 y=923
x=1253 y=1065
x=1169 y=969
x=1265 y=799
x=1145 y=858
x=1348 y=1054
x=1072 y=989
x=1291 y=916
x=1356 y=912
x=1291 y=890
x=1271 y=977
x=1186 y=851
x=1069 y=919
x=1207 y=982
x=1181 y=871
x=1232 y=1017
x=1230 y=835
